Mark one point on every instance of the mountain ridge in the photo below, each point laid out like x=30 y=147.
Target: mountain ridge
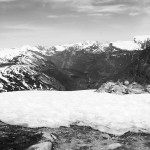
x=135 y=42
x=79 y=66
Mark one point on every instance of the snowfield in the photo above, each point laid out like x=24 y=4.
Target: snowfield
x=106 y=112
x=127 y=45
x=141 y=39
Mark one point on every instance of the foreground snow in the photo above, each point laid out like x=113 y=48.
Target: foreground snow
x=107 y=112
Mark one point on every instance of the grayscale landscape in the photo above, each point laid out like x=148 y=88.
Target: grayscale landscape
x=74 y=75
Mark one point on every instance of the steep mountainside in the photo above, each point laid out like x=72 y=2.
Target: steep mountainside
x=90 y=65
x=138 y=70
x=87 y=67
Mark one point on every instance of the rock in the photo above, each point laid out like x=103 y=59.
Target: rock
x=1 y=85
x=106 y=87
x=41 y=146
x=49 y=137
x=112 y=87
x=137 y=91
x=136 y=88
x=126 y=83
x=114 y=146
x=17 y=137
x=119 y=89
x=106 y=136
x=148 y=88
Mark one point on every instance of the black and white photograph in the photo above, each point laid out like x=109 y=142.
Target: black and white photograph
x=74 y=74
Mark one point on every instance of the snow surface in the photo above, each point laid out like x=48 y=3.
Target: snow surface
x=13 y=52
x=127 y=45
x=141 y=39
x=107 y=112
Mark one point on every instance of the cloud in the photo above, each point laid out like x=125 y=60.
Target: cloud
x=20 y=27
x=53 y=16
x=89 y=7
x=7 y=0
x=147 y=10
x=102 y=9
x=74 y=8
x=127 y=7
x=134 y=13
x=61 y=16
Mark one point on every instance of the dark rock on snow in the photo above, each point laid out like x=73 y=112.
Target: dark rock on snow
x=74 y=137
x=123 y=88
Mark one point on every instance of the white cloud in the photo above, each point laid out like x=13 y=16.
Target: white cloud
x=139 y=7
x=46 y=1
x=134 y=13
x=102 y=9
x=7 y=0
x=21 y=27
x=53 y=16
x=147 y=10
x=61 y=16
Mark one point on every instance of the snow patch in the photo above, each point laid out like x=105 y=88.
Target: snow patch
x=127 y=45
x=109 y=113
x=8 y=54
x=141 y=39
x=81 y=45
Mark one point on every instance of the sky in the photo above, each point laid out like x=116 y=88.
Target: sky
x=52 y=22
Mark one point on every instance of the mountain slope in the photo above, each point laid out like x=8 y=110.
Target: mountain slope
x=79 y=66
x=27 y=70
x=91 y=65
x=138 y=70
x=86 y=67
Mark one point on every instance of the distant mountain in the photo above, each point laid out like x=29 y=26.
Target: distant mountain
x=89 y=65
x=27 y=69
x=79 y=66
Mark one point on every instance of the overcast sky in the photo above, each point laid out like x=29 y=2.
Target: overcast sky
x=50 y=22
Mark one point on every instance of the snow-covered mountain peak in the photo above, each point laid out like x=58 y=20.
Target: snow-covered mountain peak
x=9 y=54
x=26 y=68
x=87 y=43
x=28 y=47
x=80 y=45
x=100 y=47
x=89 y=46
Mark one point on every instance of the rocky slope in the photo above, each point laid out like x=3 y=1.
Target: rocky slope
x=27 y=69
x=90 y=65
x=73 y=137
x=139 y=69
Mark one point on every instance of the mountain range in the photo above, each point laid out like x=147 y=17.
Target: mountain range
x=80 y=66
